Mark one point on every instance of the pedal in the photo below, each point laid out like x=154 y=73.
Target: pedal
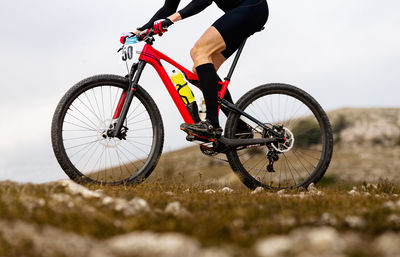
x=201 y=141
x=190 y=138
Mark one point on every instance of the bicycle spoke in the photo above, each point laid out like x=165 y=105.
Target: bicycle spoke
x=296 y=162
x=97 y=156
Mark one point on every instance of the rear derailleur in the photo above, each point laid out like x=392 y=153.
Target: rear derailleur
x=272 y=158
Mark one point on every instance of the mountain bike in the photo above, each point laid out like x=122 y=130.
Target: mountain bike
x=107 y=129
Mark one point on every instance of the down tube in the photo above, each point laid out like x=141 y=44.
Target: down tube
x=174 y=94
x=171 y=89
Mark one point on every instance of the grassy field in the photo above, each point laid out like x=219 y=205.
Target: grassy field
x=197 y=220
x=193 y=205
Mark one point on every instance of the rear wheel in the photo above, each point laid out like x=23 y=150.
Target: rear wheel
x=79 y=133
x=306 y=154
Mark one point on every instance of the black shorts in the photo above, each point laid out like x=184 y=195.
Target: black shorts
x=237 y=24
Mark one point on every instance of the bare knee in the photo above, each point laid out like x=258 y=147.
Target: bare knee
x=196 y=53
x=200 y=55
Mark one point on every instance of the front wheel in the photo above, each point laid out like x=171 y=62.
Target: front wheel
x=82 y=145
x=306 y=154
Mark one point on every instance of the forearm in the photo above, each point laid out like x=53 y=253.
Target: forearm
x=175 y=17
x=170 y=7
x=194 y=7
x=160 y=14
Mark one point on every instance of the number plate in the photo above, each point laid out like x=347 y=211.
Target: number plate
x=130 y=53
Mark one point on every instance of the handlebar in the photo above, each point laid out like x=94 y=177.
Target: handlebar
x=142 y=35
x=146 y=35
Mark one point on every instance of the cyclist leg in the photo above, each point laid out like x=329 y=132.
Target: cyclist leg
x=209 y=44
x=225 y=36
x=218 y=59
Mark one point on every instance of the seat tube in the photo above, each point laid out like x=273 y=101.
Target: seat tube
x=131 y=93
x=235 y=61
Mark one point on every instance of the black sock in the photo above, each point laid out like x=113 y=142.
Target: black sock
x=209 y=84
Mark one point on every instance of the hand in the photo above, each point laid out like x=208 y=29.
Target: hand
x=161 y=26
x=125 y=36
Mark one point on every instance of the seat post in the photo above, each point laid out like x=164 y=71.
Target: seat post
x=235 y=61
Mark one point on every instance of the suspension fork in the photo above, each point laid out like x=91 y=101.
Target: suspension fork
x=133 y=84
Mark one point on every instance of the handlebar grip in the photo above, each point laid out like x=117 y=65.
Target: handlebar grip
x=142 y=35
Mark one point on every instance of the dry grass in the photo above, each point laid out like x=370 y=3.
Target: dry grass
x=236 y=219
x=359 y=208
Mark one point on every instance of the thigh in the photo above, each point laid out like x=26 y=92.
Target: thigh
x=241 y=22
x=210 y=43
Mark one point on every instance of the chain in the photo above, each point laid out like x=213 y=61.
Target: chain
x=212 y=154
x=218 y=158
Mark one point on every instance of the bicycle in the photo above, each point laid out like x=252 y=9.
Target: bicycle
x=108 y=130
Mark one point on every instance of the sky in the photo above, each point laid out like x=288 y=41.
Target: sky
x=345 y=53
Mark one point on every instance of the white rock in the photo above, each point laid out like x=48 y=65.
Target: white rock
x=353 y=192
x=322 y=239
x=41 y=202
x=62 y=198
x=76 y=189
x=388 y=244
x=394 y=218
x=101 y=191
x=392 y=205
x=311 y=187
x=354 y=221
x=107 y=200
x=169 y=193
x=273 y=246
x=44 y=240
x=48 y=241
x=166 y=245
x=132 y=207
x=288 y=221
x=135 y=206
x=328 y=219
x=303 y=195
x=281 y=192
x=257 y=190
x=176 y=209
x=209 y=191
x=239 y=223
x=314 y=191
x=226 y=190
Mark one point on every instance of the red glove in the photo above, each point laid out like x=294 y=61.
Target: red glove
x=125 y=36
x=161 y=26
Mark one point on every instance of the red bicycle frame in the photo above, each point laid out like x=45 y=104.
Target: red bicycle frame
x=154 y=57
